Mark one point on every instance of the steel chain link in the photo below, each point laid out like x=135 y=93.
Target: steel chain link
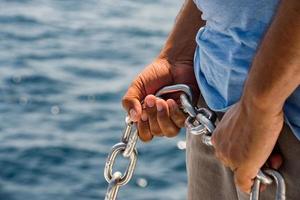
x=126 y=148
x=201 y=122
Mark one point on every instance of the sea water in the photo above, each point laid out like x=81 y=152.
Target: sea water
x=64 y=67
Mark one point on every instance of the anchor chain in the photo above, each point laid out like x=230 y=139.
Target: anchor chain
x=201 y=122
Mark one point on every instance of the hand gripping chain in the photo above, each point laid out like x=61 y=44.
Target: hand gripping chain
x=200 y=121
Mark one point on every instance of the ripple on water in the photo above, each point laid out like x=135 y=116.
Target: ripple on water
x=92 y=73
x=17 y=19
x=64 y=67
x=102 y=97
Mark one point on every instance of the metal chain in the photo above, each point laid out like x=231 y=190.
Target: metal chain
x=201 y=122
x=126 y=148
x=280 y=185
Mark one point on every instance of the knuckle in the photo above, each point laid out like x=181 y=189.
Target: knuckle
x=125 y=100
x=145 y=137
x=152 y=120
x=154 y=126
x=180 y=121
x=242 y=184
x=170 y=132
x=155 y=130
x=162 y=116
x=158 y=134
x=151 y=112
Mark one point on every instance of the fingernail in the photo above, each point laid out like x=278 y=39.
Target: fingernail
x=132 y=114
x=150 y=103
x=144 y=117
x=159 y=107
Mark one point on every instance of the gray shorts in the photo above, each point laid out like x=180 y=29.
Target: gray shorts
x=208 y=179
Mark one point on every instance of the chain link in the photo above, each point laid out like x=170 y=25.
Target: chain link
x=130 y=138
x=201 y=122
x=262 y=178
x=113 y=186
x=126 y=148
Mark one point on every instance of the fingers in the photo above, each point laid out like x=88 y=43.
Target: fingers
x=144 y=129
x=131 y=101
x=243 y=181
x=151 y=111
x=222 y=156
x=177 y=116
x=168 y=128
x=160 y=118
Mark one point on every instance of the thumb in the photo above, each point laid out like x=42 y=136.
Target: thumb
x=132 y=101
x=244 y=179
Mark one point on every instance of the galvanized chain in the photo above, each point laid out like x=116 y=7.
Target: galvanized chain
x=126 y=148
x=201 y=122
x=280 y=185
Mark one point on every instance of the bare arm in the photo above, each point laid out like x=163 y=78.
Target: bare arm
x=247 y=134
x=275 y=72
x=181 y=43
x=173 y=65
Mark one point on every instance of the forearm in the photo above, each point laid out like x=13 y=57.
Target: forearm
x=181 y=44
x=275 y=72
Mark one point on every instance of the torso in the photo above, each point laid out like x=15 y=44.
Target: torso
x=226 y=47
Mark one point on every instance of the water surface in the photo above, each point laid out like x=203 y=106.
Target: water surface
x=64 y=66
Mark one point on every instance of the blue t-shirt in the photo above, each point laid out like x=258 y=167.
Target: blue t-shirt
x=226 y=47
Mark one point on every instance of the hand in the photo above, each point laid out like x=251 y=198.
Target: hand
x=244 y=140
x=158 y=117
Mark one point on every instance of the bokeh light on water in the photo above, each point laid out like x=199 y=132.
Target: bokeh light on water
x=64 y=66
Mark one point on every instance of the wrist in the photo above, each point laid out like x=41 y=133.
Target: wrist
x=261 y=104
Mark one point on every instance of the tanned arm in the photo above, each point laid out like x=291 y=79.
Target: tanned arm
x=181 y=43
x=248 y=132
x=173 y=65
x=275 y=73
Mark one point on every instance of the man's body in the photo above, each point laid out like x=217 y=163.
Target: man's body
x=247 y=134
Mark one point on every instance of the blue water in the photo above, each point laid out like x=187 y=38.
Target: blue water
x=64 y=66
